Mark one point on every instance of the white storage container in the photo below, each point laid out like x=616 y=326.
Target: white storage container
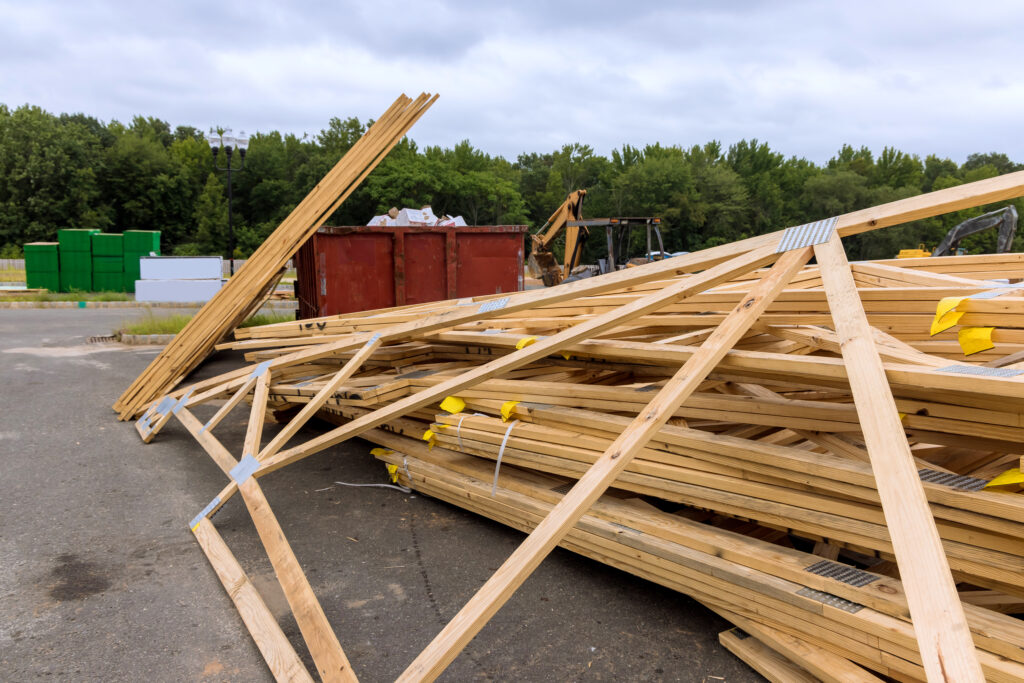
x=181 y=267
x=181 y=291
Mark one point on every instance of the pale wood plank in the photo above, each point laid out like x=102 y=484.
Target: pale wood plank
x=942 y=633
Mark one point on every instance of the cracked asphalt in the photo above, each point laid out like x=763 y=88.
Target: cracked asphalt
x=100 y=580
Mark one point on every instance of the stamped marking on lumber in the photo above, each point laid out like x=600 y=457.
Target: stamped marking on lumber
x=957 y=481
x=980 y=371
x=831 y=600
x=842 y=572
x=807 y=235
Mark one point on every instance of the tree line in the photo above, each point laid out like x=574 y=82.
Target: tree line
x=72 y=170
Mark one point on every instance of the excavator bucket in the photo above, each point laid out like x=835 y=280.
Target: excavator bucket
x=543 y=265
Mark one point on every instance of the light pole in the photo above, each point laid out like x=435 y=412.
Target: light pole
x=229 y=143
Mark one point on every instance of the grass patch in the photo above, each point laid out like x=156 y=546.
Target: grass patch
x=12 y=275
x=70 y=296
x=268 y=319
x=151 y=323
x=156 y=324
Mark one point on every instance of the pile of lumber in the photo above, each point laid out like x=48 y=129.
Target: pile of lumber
x=826 y=454
x=256 y=281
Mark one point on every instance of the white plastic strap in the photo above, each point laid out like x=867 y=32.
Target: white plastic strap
x=458 y=428
x=501 y=452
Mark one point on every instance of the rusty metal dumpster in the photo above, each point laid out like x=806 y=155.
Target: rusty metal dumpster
x=346 y=269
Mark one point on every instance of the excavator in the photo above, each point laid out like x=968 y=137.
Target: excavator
x=1005 y=218
x=541 y=262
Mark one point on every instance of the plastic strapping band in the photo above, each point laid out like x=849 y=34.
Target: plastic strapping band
x=501 y=452
x=980 y=371
x=181 y=403
x=244 y=469
x=492 y=331
x=493 y=305
x=373 y=339
x=807 y=235
x=259 y=369
x=458 y=428
x=205 y=511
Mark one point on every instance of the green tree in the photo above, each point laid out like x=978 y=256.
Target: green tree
x=211 y=218
x=48 y=175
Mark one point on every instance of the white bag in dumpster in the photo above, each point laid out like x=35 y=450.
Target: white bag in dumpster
x=407 y=216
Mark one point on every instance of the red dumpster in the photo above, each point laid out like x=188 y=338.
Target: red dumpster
x=346 y=269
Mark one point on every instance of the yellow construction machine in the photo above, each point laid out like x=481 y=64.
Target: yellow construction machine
x=541 y=262
x=1005 y=219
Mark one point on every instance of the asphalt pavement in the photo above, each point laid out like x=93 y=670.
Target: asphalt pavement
x=100 y=579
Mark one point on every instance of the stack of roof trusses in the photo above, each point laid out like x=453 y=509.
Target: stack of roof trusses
x=828 y=446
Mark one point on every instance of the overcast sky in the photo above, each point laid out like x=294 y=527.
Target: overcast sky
x=937 y=77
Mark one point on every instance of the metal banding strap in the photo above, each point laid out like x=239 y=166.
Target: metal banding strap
x=980 y=371
x=205 y=511
x=493 y=305
x=831 y=600
x=244 y=469
x=373 y=339
x=492 y=331
x=807 y=235
x=842 y=572
x=956 y=481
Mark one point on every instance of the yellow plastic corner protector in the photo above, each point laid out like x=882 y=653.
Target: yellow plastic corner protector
x=975 y=339
x=453 y=404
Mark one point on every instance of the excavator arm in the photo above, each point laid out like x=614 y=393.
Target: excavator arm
x=541 y=262
x=1005 y=218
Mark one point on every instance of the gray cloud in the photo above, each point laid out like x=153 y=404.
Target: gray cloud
x=805 y=76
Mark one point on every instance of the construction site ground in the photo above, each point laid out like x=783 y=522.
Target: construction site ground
x=100 y=579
